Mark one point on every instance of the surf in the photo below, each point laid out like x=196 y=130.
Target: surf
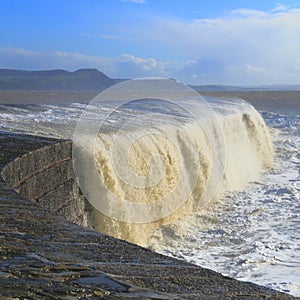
x=154 y=163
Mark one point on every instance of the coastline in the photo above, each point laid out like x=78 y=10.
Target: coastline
x=45 y=256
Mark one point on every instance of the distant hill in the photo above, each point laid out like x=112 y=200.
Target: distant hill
x=59 y=80
x=94 y=80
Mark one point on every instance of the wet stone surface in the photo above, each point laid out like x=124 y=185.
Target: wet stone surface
x=45 y=256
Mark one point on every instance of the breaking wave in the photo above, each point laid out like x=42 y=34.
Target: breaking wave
x=163 y=165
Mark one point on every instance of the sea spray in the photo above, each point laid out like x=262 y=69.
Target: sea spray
x=164 y=164
x=182 y=179
x=248 y=148
x=245 y=158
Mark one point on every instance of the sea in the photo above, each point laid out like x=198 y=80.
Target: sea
x=250 y=230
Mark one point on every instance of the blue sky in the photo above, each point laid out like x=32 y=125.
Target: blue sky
x=198 y=42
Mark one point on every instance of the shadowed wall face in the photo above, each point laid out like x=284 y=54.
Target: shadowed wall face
x=45 y=176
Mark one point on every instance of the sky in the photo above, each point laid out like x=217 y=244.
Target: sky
x=233 y=42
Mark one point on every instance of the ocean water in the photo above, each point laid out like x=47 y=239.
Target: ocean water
x=251 y=229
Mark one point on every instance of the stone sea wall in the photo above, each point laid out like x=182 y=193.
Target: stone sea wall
x=46 y=176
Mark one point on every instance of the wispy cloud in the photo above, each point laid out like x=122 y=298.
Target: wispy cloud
x=111 y=37
x=105 y=36
x=135 y=1
x=280 y=8
x=249 y=13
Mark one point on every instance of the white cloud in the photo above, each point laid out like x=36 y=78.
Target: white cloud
x=131 y=66
x=147 y=64
x=243 y=47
